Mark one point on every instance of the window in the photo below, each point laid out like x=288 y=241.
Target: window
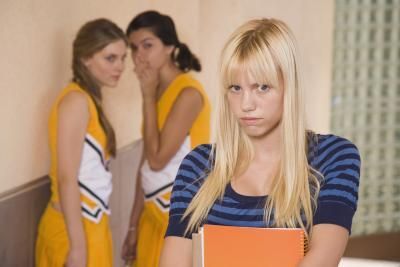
x=397 y=119
x=372 y=17
x=369 y=108
x=371 y=55
x=388 y=16
x=384 y=90
x=383 y=139
x=397 y=134
x=386 y=53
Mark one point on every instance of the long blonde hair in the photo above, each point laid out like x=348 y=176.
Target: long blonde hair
x=265 y=48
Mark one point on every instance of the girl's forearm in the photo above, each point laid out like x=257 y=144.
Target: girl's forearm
x=71 y=208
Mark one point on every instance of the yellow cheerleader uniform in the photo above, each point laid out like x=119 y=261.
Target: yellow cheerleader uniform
x=94 y=180
x=157 y=185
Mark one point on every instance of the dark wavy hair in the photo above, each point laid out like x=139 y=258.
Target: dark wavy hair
x=164 y=28
x=91 y=38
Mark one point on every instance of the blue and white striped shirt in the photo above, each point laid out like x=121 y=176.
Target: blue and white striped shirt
x=336 y=158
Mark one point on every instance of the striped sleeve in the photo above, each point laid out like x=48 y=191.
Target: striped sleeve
x=339 y=162
x=191 y=174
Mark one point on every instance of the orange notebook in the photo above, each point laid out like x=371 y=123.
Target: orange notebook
x=231 y=246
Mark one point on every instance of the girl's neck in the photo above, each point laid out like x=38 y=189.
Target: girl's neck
x=168 y=74
x=258 y=177
x=268 y=146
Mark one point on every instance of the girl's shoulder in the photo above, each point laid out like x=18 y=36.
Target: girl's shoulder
x=199 y=160
x=194 y=168
x=336 y=158
x=328 y=148
x=326 y=139
x=71 y=94
x=74 y=91
x=186 y=80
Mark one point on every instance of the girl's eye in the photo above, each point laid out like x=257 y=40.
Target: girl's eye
x=110 y=58
x=147 y=46
x=234 y=88
x=264 y=88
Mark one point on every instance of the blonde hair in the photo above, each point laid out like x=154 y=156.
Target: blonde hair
x=265 y=48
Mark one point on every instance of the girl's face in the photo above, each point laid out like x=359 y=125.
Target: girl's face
x=147 y=47
x=257 y=107
x=107 y=65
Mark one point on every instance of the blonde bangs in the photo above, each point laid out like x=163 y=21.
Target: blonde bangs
x=252 y=56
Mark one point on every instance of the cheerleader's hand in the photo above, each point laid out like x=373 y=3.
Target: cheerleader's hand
x=76 y=258
x=148 y=78
x=129 y=247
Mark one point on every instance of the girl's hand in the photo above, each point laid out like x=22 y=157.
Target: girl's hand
x=148 y=78
x=128 y=253
x=76 y=258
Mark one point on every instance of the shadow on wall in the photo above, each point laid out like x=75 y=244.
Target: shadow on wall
x=124 y=170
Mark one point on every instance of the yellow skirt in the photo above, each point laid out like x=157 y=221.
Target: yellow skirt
x=152 y=226
x=52 y=243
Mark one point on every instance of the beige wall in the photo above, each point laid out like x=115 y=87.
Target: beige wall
x=36 y=37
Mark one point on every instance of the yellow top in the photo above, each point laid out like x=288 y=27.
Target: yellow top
x=157 y=185
x=94 y=178
x=200 y=131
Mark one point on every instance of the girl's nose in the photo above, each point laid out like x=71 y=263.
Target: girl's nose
x=121 y=65
x=247 y=103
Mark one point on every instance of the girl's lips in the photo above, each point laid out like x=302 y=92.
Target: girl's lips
x=250 y=120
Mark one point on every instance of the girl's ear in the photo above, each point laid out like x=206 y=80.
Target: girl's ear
x=86 y=61
x=170 y=49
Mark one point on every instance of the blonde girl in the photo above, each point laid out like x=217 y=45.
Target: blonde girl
x=265 y=168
